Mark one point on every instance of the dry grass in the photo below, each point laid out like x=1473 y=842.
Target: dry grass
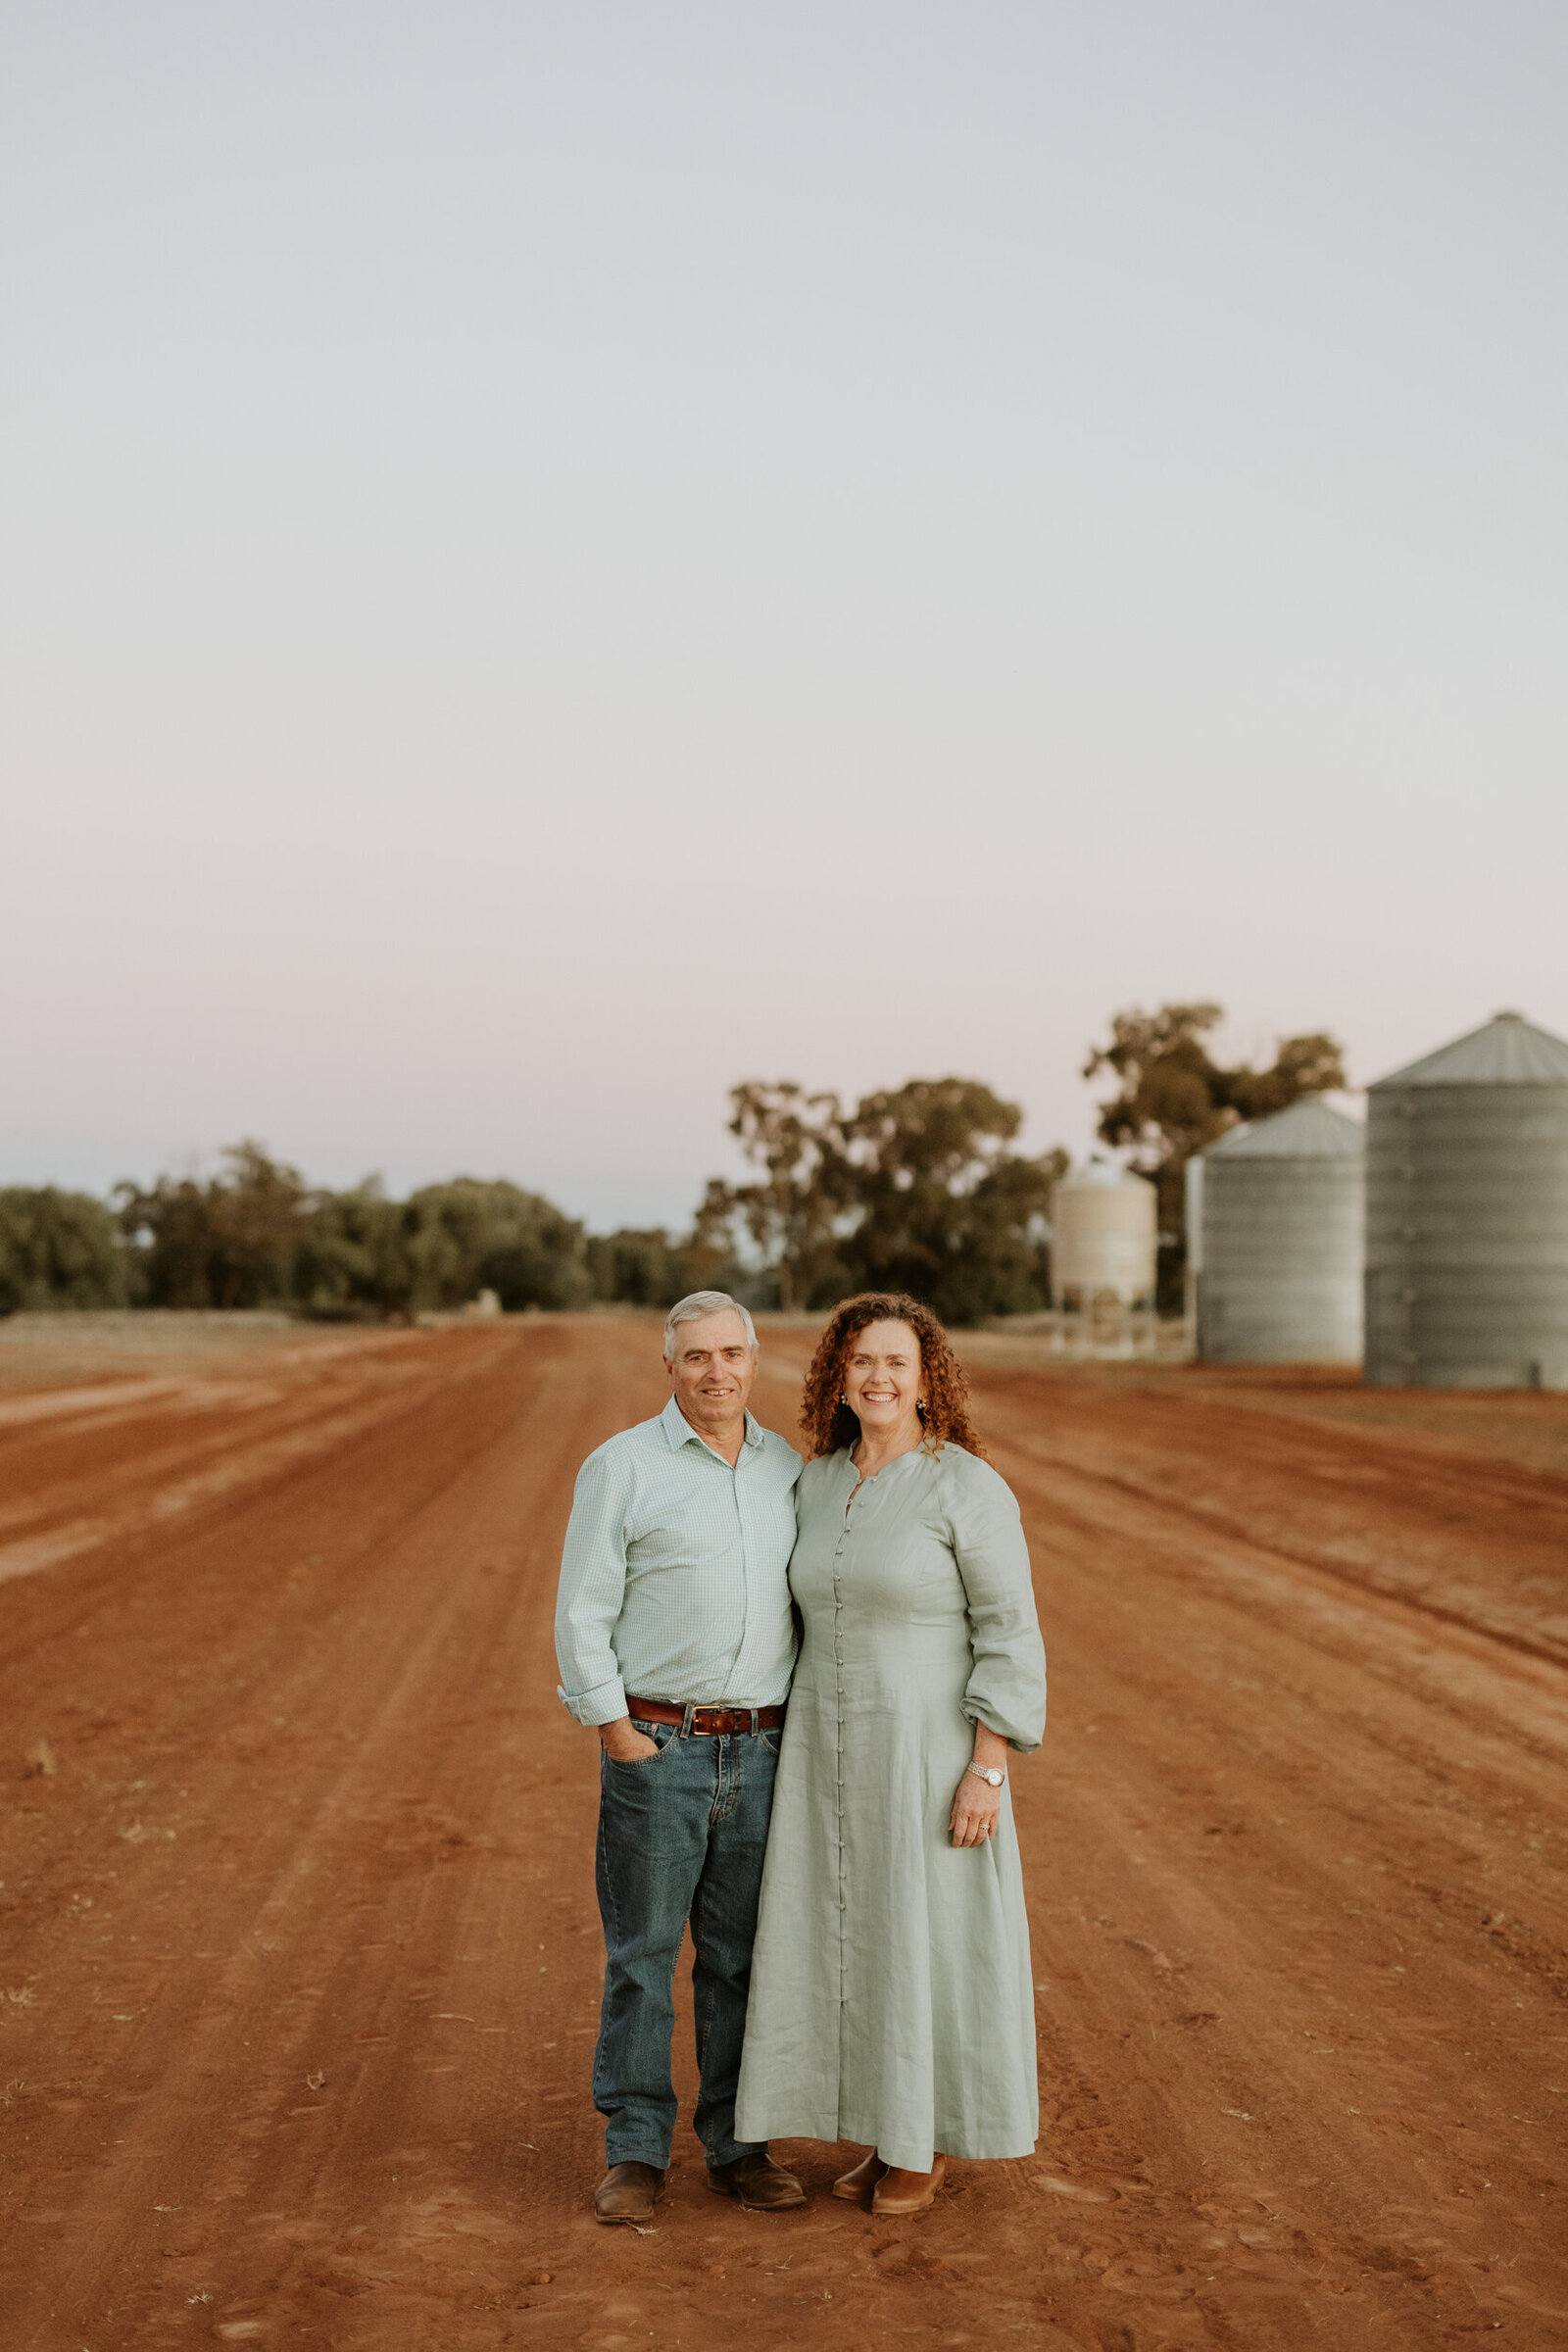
x=49 y=1352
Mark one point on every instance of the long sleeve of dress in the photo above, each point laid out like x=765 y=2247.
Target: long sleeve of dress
x=1006 y=1689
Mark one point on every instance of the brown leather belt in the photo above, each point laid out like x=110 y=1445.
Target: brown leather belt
x=707 y=1723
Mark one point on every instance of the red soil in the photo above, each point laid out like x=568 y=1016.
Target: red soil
x=300 y=1955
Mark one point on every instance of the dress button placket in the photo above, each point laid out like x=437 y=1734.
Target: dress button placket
x=838 y=1660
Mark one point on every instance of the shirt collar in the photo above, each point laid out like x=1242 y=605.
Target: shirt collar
x=679 y=1432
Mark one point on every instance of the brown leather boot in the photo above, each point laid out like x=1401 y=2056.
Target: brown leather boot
x=628 y=2192
x=855 y=2186
x=900 y=2193
x=762 y=2185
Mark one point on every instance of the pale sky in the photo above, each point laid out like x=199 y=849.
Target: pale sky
x=554 y=559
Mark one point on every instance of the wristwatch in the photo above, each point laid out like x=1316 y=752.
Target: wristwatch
x=986 y=1773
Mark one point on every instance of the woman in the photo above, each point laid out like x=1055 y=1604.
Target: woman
x=891 y=1997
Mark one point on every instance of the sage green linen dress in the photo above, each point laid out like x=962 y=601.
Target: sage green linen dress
x=891 y=1997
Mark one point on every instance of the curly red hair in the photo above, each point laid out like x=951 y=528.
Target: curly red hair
x=827 y=1420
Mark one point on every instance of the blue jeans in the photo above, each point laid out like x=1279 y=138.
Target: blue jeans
x=682 y=1836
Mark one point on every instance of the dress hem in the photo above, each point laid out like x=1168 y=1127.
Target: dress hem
x=836 y=2130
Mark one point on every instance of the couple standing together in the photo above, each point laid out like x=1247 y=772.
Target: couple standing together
x=851 y=1874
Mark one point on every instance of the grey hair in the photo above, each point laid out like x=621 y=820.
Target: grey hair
x=700 y=1304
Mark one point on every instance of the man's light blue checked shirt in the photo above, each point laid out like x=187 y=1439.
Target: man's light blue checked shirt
x=672 y=1581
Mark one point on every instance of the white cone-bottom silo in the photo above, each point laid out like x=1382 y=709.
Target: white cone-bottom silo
x=1274 y=1239
x=1104 y=1245
x=1467 y=1214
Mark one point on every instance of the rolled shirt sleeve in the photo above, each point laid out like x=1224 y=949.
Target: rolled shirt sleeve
x=1006 y=1687
x=593 y=1587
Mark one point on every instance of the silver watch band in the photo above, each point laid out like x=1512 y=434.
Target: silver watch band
x=983 y=1772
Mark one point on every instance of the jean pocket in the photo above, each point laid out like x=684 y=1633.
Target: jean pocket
x=665 y=1733
x=771 y=1740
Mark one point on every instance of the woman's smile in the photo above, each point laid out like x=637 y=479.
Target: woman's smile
x=883 y=1378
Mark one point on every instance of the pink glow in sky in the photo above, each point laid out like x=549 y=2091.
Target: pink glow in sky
x=556 y=559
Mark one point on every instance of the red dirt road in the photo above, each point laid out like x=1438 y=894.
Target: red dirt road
x=298 y=1959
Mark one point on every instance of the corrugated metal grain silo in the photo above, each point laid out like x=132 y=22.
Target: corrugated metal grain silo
x=1467 y=1214
x=1277 y=1250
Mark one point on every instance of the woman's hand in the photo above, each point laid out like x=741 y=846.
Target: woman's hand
x=977 y=1807
x=976 y=1811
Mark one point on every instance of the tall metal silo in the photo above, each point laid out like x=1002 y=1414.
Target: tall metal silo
x=1278 y=1211
x=1104 y=1247
x=1467 y=1214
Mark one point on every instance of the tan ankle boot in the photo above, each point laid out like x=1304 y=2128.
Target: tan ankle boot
x=856 y=2184
x=900 y=2191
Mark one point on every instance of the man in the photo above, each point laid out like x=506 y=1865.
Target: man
x=675 y=1638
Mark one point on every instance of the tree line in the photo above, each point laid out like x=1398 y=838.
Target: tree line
x=915 y=1188
x=257 y=1235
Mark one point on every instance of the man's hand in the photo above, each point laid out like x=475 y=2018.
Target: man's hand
x=625 y=1745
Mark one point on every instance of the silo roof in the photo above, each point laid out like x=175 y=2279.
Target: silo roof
x=1309 y=1130
x=1508 y=1051
x=1107 y=1175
